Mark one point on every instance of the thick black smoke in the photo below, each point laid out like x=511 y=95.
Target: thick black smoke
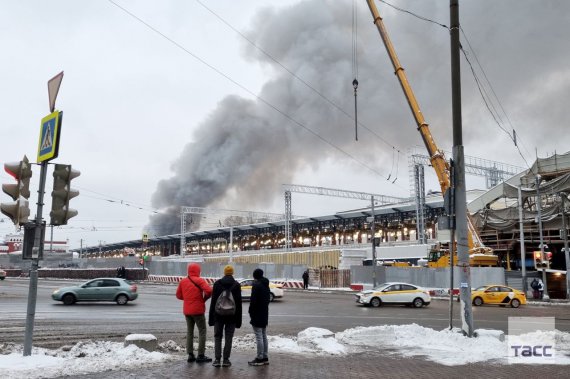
x=245 y=150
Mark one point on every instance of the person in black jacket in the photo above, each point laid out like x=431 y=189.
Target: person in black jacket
x=306 y=279
x=227 y=324
x=259 y=313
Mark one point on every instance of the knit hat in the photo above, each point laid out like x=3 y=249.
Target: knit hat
x=228 y=270
x=257 y=273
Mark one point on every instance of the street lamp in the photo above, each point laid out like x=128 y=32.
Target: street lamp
x=538 y=208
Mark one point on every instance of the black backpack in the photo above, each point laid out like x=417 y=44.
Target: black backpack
x=226 y=305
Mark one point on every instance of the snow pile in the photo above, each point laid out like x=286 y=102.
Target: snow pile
x=170 y=346
x=320 y=340
x=82 y=358
x=446 y=347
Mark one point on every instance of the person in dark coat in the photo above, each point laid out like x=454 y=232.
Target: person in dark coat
x=534 y=286
x=225 y=324
x=259 y=313
x=306 y=280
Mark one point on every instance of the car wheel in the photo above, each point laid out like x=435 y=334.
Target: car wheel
x=68 y=299
x=478 y=301
x=122 y=299
x=375 y=302
x=515 y=303
x=271 y=297
x=418 y=302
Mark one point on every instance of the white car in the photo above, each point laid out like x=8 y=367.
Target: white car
x=2 y=274
x=394 y=293
x=276 y=290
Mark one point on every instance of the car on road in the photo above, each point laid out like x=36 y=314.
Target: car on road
x=275 y=290
x=2 y=274
x=394 y=293
x=498 y=294
x=118 y=290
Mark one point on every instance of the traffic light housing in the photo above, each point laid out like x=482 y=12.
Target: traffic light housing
x=540 y=264
x=19 y=210
x=62 y=193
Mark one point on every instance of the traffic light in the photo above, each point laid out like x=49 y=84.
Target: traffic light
x=141 y=261
x=62 y=193
x=540 y=264
x=19 y=210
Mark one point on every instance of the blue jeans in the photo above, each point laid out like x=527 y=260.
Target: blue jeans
x=261 y=339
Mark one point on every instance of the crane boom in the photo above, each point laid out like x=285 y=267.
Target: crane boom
x=436 y=156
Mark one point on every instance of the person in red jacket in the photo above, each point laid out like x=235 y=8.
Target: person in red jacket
x=194 y=291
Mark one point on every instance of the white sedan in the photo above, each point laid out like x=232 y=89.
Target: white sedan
x=394 y=293
x=276 y=290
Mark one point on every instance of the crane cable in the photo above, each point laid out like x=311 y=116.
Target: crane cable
x=355 y=65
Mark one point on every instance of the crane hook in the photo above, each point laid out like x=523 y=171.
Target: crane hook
x=355 y=86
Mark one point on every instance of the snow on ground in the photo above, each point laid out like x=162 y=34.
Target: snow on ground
x=82 y=358
x=445 y=347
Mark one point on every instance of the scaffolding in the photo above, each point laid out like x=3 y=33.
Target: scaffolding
x=493 y=171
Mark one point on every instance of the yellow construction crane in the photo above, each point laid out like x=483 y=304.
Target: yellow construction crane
x=479 y=254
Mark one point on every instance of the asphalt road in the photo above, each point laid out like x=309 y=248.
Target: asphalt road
x=157 y=311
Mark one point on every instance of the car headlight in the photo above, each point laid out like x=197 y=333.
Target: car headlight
x=55 y=292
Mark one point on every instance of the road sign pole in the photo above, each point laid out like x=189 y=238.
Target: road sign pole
x=38 y=245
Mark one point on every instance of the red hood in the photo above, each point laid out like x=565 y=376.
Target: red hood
x=193 y=269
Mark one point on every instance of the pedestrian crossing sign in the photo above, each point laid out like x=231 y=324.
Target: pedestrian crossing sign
x=50 y=131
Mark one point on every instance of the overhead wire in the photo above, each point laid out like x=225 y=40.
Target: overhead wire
x=482 y=92
x=513 y=137
x=301 y=80
x=122 y=202
x=261 y=99
x=488 y=103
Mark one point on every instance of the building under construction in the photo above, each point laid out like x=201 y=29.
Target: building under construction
x=496 y=213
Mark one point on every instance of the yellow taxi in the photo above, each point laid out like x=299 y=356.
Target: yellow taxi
x=498 y=294
x=275 y=290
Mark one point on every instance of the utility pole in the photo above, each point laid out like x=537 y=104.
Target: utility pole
x=231 y=244
x=523 y=250
x=452 y=248
x=373 y=232
x=182 y=231
x=459 y=159
x=51 y=241
x=539 y=215
x=563 y=196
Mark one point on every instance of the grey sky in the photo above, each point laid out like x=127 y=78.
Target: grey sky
x=138 y=110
